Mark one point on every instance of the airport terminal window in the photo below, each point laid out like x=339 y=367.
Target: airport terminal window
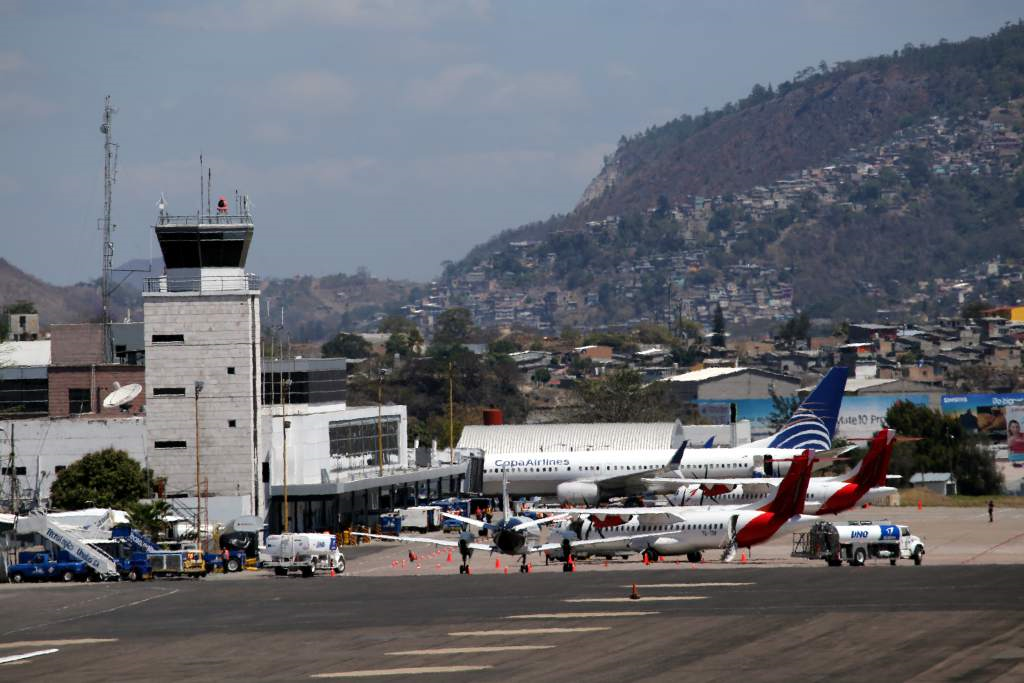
x=168 y=444
x=169 y=391
x=231 y=370
x=232 y=423
x=354 y=442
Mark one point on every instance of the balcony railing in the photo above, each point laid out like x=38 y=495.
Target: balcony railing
x=200 y=220
x=207 y=283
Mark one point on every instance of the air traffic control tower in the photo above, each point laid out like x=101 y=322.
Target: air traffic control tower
x=202 y=332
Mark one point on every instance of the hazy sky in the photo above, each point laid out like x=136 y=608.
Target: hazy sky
x=393 y=134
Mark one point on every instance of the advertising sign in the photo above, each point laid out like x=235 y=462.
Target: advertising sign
x=861 y=416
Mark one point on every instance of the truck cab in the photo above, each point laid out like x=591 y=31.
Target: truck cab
x=36 y=566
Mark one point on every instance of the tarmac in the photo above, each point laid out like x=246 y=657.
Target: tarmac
x=773 y=618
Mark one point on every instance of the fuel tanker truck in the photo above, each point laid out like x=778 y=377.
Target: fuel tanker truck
x=306 y=553
x=856 y=542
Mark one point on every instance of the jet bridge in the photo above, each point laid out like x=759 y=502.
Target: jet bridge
x=77 y=545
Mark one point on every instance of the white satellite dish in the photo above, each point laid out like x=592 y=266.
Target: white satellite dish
x=122 y=395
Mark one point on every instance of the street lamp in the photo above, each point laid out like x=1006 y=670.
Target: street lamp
x=380 y=430
x=284 y=442
x=198 y=389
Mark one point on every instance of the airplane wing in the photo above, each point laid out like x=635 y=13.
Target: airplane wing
x=556 y=518
x=470 y=521
x=431 y=541
x=632 y=482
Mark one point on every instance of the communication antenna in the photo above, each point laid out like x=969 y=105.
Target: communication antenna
x=109 y=178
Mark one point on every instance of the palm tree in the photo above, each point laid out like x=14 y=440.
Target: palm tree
x=149 y=517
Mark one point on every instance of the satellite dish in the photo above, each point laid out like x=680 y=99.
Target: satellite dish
x=122 y=395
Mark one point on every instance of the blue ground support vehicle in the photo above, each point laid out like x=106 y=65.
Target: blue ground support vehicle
x=132 y=564
x=33 y=566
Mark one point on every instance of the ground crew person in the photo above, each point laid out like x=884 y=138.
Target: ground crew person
x=222 y=205
x=991 y=507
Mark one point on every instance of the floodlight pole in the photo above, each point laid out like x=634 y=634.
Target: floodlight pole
x=198 y=386
x=287 y=384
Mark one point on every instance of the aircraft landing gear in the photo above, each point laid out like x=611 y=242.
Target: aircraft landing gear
x=523 y=569
x=694 y=556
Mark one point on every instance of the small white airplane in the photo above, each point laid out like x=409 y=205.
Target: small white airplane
x=689 y=531
x=514 y=535
x=825 y=495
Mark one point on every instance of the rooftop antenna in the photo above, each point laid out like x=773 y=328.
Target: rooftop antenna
x=201 y=189
x=109 y=178
x=209 y=184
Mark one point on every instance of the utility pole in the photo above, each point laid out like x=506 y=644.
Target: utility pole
x=109 y=178
x=380 y=427
x=12 y=471
x=287 y=384
x=199 y=509
x=451 y=415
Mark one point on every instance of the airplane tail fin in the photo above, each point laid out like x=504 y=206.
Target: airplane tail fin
x=677 y=457
x=813 y=425
x=872 y=470
x=789 y=496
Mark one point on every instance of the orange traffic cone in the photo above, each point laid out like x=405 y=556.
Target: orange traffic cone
x=529 y=568
x=743 y=558
x=497 y=563
x=449 y=555
x=647 y=560
x=919 y=506
x=506 y=571
x=412 y=556
x=634 y=594
x=332 y=572
x=606 y=563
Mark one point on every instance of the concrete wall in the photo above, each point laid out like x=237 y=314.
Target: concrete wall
x=221 y=331
x=43 y=444
x=76 y=344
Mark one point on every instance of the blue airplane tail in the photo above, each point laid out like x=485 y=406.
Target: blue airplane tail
x=813 y=425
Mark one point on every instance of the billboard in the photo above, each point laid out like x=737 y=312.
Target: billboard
x=859 y=416
x=998 y=416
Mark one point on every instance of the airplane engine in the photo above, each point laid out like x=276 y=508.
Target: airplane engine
x=578 y=493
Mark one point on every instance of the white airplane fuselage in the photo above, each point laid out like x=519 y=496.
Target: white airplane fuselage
x=540 y=473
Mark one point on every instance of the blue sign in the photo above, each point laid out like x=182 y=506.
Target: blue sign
x=890 y=532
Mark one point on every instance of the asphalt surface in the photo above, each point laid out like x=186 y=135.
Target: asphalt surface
x=810 y=623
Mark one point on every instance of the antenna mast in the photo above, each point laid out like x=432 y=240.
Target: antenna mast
x=109 y=178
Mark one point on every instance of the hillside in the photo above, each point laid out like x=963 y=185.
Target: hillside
x=851 y=187
x=75 y=303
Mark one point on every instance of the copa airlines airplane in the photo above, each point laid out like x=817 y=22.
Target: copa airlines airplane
x=590 y=477
x=865 y=483
x=689 y=531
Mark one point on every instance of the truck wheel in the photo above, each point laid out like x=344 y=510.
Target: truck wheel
x=17 y=578
x=892 y=562
x=859 y=557
x=918 y=555
x=67 y=576
x=280 y=571
x=693 y=556
x=339 y=568
x=233 y=565
x=307 y=572
x=133 y=575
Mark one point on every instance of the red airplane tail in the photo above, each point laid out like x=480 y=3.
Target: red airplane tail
x=872 y=470
x=789 y=498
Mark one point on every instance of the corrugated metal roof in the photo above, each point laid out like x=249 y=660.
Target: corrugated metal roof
x=626 y=436
x=930 y=477
x=705 y=374
x=25 y=354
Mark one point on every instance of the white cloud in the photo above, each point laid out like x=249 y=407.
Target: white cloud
x=266 y=15
x=271 y=132
x=11 y=61
x=484 y=87
x=311 y=92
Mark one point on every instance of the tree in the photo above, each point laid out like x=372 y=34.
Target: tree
x=396 y=323
x=541 y=376
x=718 y=327
x=346 y=345
x=796 y=328
x=149 y=518
x=972 y=310
x=622 y=397
x=107 y=478
x=783 y=408
x=944 y=446
x=454 y=326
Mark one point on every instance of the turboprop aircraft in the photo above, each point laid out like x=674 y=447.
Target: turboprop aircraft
x=514 y=535
x=689 y=531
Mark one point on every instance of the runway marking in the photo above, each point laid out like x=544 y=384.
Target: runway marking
x=654 y=598
x=716 y=584
x=472 y=650
x=998 y=545
x=530 y=631
x=580 y=615
x=370 y=673
x=26 y=655
x=51 y=643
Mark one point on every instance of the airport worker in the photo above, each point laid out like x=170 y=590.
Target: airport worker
x=222 y=205
x=991 y=508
